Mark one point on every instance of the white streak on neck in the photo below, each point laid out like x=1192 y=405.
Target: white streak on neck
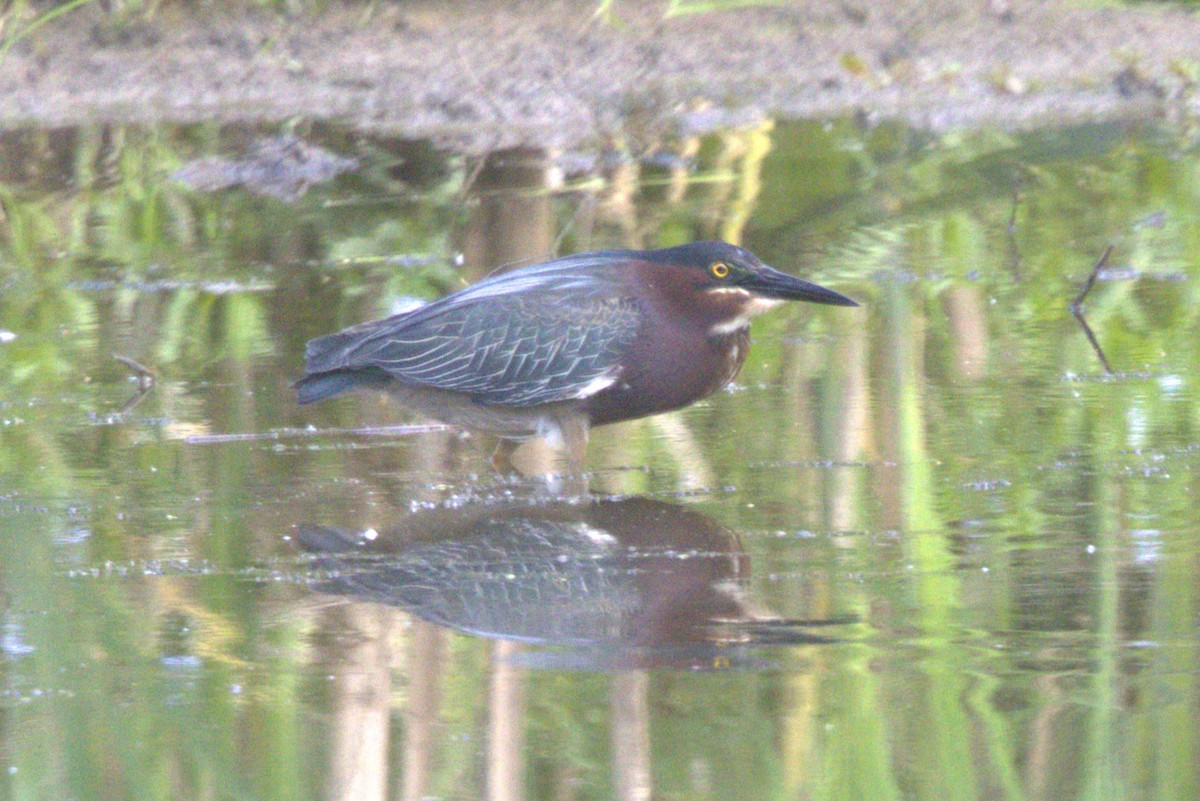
x=736 y=291
x=741 y=320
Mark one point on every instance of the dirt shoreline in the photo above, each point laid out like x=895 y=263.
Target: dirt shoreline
x=481 y=76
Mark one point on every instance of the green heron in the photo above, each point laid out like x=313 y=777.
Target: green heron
x=552 y=349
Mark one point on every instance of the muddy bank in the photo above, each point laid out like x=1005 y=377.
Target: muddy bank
x=483 y=75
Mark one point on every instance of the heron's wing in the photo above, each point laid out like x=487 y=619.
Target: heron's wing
x=582 y=274
x=559 y=341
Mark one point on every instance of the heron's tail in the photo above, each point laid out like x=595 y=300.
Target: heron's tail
x=319 y=386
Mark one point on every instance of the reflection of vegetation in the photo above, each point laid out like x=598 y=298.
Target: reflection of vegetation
x=606 y=9
x=1004 y=519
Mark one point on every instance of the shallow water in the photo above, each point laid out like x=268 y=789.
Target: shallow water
x=925 y=549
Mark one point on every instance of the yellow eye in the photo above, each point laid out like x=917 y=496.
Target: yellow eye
x=719 y=269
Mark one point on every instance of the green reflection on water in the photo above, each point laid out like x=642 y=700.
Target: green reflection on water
x=1013 y=530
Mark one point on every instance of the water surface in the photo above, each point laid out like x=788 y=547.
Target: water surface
x=925 y=549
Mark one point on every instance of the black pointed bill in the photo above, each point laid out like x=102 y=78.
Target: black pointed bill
x=770 y=283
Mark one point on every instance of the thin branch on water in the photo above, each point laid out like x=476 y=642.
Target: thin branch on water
x=285 y=433
x=1077 y=306
x=145 y=376
x=145 y=383
x=138 y=396
x=460 y=198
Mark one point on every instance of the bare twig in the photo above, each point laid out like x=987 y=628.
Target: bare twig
x=145 y=382
x=1077 y=306
x=484 y=92
x=460 y=198
x=139 y=394
x=587 y=209
x=145 y=376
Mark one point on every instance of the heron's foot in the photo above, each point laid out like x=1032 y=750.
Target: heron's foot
x=502 y=461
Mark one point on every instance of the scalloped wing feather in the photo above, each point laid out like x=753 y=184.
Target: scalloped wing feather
x=544 y=334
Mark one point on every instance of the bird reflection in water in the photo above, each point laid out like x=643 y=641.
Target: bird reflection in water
x=624 y=582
